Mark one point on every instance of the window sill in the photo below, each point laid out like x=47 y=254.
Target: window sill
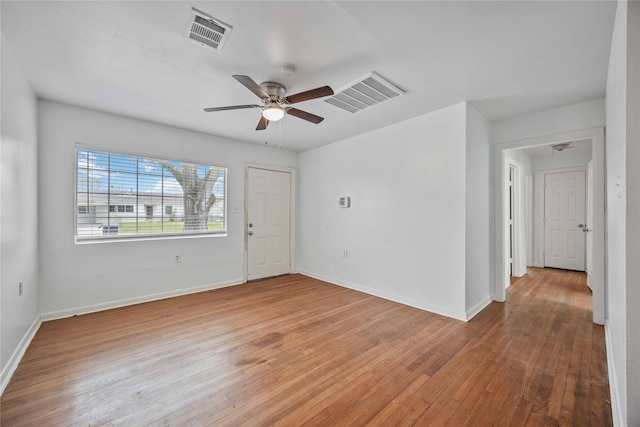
x=148 y=237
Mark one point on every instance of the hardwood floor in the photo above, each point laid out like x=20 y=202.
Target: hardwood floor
x=297 y=351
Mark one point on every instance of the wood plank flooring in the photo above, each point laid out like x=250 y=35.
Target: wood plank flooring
x=293 y=351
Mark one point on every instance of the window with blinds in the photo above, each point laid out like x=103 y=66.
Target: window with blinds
x=126 y=196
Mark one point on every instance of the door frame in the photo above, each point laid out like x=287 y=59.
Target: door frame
x=518 y=240
x=292 y=216
x=597 y=279
x=589 y=220
x=528 y=219
x=541 y=205
x=514 y=238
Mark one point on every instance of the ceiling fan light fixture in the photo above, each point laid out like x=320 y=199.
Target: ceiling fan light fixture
x=273 y=112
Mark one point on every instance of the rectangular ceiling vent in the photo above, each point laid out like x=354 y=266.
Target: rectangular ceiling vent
x=366 y=92
x=206 y=30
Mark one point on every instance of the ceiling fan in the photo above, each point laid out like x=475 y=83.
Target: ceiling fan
x=275 y=105
x=561 y=147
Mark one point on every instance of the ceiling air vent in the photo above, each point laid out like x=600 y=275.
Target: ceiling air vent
x=207 y=30
x=366 y=92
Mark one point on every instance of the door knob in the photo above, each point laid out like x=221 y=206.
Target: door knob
x=250 y=233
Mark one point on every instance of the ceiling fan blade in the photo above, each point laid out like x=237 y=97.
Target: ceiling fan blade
x=254 y=87
x=231 y=107
x=262 y=124
x=309 y=94
x=304 y=115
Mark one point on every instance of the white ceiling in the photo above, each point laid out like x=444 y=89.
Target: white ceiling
x=131 y=58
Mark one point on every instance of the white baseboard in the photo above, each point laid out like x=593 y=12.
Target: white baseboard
x=471 y=313
x=136 y=300
x=616 y=409
x=16 y=357
x=520 y=272
x=443 y=311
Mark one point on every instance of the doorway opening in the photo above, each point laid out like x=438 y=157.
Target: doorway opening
x=595 y=197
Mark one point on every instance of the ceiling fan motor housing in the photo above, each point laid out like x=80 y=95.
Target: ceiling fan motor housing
x=275 y=90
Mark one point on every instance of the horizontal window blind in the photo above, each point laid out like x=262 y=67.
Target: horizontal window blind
x=126 y=196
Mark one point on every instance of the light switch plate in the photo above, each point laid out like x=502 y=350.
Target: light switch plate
x=619 y=185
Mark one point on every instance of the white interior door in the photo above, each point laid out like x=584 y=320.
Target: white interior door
x=268 y=223
x=564 y=220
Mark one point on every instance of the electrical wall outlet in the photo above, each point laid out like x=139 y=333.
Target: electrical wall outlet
x=178 y=258
x=19 y=288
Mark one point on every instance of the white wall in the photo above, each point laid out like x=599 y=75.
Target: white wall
x=633 y=212
x=405 y=229
x=82 y=277
x=18 y=212
x=623 y=211
x=585 y=115
x=405 y=232
x=565 y=159
x=616 y=214
x=479 y=207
